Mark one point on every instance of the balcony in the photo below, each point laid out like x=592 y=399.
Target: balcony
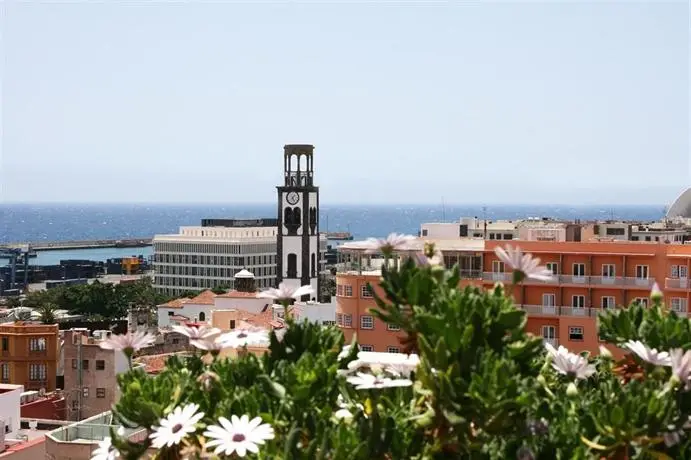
x=676 y=283
x=497 y=276
x=608 y=280
x=471 y=274
x=574 y=279
x=552 y=310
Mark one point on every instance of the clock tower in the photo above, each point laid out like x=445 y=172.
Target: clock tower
x=298 y=220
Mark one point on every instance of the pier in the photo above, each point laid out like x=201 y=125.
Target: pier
x=82 y=244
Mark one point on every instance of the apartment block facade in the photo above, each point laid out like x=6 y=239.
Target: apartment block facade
x=589 y=277
x=29 y=355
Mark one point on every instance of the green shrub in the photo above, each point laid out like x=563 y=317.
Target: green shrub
x=477 y=385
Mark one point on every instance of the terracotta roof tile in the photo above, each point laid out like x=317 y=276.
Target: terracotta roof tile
x=205 y=298
x=154 y=364
x=176 y=303
x=239 y=295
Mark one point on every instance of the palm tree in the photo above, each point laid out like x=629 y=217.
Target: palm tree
x=47 y=312
x=22 y=314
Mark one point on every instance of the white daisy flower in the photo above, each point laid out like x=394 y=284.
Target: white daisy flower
x=650 y=355
x=570 y=364
x=368 y=381
x=128 y=343
x=343 y=414
x=239 y=435
x=523 y=265
x=681 y=366
x=213 y=345
x=178 y=424
x=195 y=333
x=345 y=351
x=286 y=293
x=244 y=337
x=105 y=451
x=397 y=362
x=388 y=245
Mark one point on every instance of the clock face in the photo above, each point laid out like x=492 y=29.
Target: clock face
x=293 y=198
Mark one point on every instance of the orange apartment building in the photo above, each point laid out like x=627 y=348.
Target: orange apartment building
x=589 y=277
x=29 y=355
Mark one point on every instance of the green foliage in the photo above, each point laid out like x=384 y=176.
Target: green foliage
x=47 y=312
x=98 y=300
x=484 y=388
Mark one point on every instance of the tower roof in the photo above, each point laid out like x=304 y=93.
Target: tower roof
x=244 y=274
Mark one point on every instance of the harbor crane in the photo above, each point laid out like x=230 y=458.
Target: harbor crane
x=17 y=255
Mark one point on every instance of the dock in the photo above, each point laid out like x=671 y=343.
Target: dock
x=82 y=244
x=339 y=236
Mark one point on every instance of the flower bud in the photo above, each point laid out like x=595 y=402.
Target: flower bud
x=542 y=380
x=675 y=381
x=656 y=294
x=605 y=353
x=571 y=390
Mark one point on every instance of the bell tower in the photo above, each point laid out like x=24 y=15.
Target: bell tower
x=298 y=220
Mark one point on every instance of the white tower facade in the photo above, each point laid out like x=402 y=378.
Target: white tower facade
x=298 y=220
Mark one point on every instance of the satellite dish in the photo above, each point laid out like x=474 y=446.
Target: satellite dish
x=33 y=424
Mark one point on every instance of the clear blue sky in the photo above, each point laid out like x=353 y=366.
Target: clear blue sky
x=406 y=102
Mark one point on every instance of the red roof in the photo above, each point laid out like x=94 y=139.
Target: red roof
x=239 y=295
x=154 y=364
x=205 y=298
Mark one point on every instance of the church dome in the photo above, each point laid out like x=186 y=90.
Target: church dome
x=681 y=206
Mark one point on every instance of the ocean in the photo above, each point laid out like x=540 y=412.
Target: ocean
x=62 y=222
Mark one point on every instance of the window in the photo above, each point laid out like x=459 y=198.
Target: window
x=615 y=231
x=37 y=344
x=170 y=313
x=347 y=291
x=607 y=302
x=549 y=333
x=578 y=301
x=642 y=271
x=5 y=344
x=608 y=270
x=292 y=266
x=100 y=365
x=393 y=350
x=366 y=348
x=578 y=269
x=348 y=320
x=85 y=392
x=392 y=327
x=74 y=364
x=37 y=372
x=100 y=392
x=75 y=404
x=176 y=341
x=5 y=372
x=232 y=324
x=202 y=316
x=339 y=319
x=553 y=267
x=339 y=290
x=366 y=291
x=85 y=364
x=508 y=236
x=576 y=333
x=641 y=301
x=497 y=266
x=424 y=232
x=366 y=322
x=678 y=304
x=548 y=300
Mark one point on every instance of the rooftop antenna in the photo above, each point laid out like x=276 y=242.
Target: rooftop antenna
x=484 y=221
x=443 y=210
x=611 y=213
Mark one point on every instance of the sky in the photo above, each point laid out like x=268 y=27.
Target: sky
x=405 y=102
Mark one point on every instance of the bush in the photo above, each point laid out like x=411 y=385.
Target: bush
x=475 y=386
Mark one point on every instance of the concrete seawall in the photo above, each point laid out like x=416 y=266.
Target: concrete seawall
x=84 y=244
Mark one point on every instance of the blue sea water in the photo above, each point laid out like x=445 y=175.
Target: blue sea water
x=61 y=222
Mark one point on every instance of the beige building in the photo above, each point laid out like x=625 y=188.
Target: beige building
x=90 y=373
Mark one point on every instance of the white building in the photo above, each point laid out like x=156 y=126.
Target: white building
x=10 y=413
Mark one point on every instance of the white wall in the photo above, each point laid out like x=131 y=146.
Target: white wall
x=189 y=310
x=292 y=244
x=251 y=305
x=10 y=402
x=440 y=230
x=317 y=312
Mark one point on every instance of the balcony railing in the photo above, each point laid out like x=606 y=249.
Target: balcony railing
x=553 y=310
x=677 y=283
x=608 y=280
x=580 y=280
x=497 y=276
x=574 y=279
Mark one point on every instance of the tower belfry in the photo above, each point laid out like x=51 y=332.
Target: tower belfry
x=298 y=219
